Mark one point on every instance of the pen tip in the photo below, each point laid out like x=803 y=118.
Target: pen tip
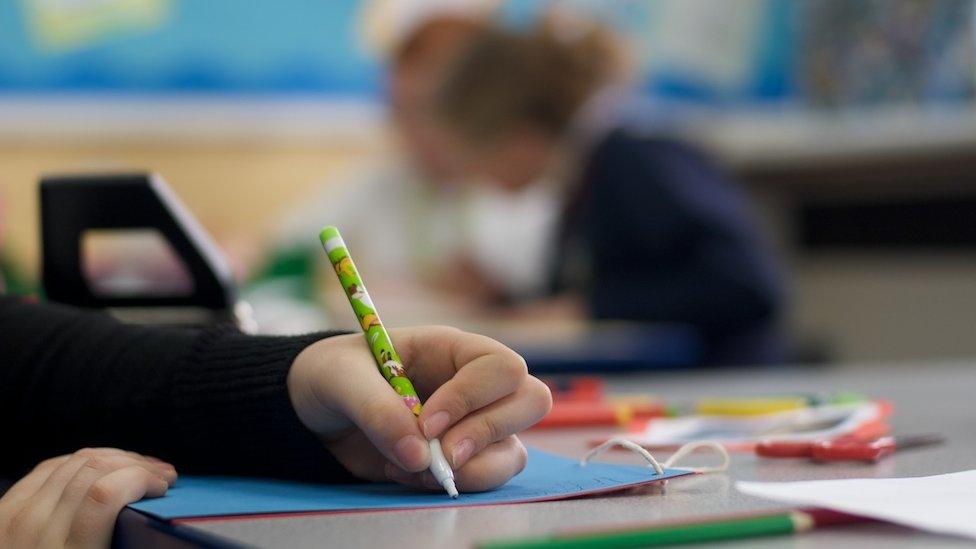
x=451 y=488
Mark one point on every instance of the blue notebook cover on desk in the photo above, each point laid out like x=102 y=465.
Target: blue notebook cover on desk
x=546 y=477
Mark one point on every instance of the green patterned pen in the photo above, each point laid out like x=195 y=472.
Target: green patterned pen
x=381 y=345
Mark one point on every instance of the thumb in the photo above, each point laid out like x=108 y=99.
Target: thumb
x=386 y=421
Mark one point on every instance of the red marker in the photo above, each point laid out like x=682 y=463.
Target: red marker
x=581 y=402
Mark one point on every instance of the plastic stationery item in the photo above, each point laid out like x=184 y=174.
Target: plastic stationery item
x=743 y=433
x=774 y=448
x=584 y=414
x=872 y=450
x=581 y=402
x=749 y=406
x=724 y=406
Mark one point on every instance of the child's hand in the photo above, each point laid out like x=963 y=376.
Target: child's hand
x=478 y=395
x=72 y=501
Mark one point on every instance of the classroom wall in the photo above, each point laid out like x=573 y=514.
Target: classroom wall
x=871 y=306
x=868 y=305
x=237 y=190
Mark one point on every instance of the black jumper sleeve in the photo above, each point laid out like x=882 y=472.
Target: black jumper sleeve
x=208 y=401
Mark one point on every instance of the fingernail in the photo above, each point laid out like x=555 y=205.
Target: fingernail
x=168 y=476
x=395 y=473
x=462 y=451
x=162 y=485
x=412 y=452
x=436 y=424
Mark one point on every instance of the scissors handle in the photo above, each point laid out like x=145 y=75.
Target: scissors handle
x=853 y=450
x=774 y=448
x=874 y=450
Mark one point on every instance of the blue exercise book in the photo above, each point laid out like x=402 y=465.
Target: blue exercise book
x=546 y=477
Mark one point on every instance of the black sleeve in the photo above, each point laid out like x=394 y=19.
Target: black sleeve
x=212 y=401
x=672 y=240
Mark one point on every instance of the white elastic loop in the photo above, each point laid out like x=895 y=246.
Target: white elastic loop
x=619 y=441
x=691 y=447
x=653 y=463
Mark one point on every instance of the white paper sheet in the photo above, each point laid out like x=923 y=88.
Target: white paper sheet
x=944 y=504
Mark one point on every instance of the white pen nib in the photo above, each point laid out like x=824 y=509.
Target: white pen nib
x=451 y=488
x=440 y=468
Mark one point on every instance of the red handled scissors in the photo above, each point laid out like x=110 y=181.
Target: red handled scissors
x=773 y=448
x=874 y=450
x=846 y=448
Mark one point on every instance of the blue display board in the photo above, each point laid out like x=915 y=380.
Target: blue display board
x=247 y=46
x=315 y=46
x=814 y=52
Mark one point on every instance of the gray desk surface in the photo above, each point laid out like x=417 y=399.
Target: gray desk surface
x=928 y=398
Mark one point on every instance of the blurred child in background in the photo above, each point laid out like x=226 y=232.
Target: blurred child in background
x=649 y=229
x=429 y=241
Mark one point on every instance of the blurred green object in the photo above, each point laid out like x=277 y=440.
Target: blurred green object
x=297 y=265
x=13 y=281
x=847 y=397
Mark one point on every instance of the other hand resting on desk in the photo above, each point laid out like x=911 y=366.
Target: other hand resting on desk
x=72 y=500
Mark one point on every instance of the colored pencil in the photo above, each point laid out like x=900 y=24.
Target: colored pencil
x=719 y=529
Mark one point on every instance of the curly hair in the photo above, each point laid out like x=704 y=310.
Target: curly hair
x=539 y=77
